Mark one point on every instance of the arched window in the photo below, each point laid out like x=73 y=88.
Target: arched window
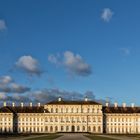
x=83 y=128
x=62 y=128
x=37 y=129
x=51 y=129
x=94 y=129
x=89 y=128
x=78 y=128
x=51 y=110
x=46 y=128
x=56 y=110
x=56 y=128
x=67 y=128
x=99 y=129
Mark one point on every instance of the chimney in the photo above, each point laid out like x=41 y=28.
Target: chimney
x=13 y=104
x=22 y=104
x=59 y=99
x=31 y=104
x=107 y=104
x=4 y=104
x=38 y=104
x=132 y=105
x=124 y=105
x=115 y=104
x=86 y=99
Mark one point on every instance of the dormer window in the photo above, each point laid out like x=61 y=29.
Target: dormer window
x=86 y=99
x=59 y=99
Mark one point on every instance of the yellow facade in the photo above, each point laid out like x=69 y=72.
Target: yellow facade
x=70 y=116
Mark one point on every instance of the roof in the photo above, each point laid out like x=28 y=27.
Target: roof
x=73 y=103
x=27 y=109
x=121 y=110
x=5 y=110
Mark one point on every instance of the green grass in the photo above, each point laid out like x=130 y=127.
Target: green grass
x=92 y=137
x=49 y=137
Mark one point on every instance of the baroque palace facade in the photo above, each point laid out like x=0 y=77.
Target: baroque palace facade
x=70 y=116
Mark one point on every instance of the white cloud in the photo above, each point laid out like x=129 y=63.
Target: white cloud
x=2 y=25
x=107 y=14
x=8 y=86
x=5 y=80
x=74 y=63
x=29 y=64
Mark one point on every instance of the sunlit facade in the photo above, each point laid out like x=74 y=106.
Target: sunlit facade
x=69 y=116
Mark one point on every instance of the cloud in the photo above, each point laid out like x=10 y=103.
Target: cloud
x=107 y=14
x=125 y=51
x=46 y=95
x=73 y=63
x=29 y=65
x=3 y=96
x=5 y=80
x=2 y=25
x=7 y=85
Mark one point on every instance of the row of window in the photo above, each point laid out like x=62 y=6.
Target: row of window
x=122 y=119
x=30 y=119
x=73 y=128
x=5 y=119
x=72 y=110
x=123 y=130
x=30 y=124
x=5 y=129
x=5 y=123
x=72 y=119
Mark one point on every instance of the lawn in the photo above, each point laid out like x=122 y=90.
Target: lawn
x=93 y=137
x=49 y=137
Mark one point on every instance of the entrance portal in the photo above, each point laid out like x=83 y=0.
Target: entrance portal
x=73 y=128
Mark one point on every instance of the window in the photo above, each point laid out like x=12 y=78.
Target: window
x=56 y=128
x=78 y=128
x=62 y=128
x=99 y=129
x=51 y=120
x=94 y=129
x=51 y=128
x=56 y=119
x=67 y=128
x=72 y=110
x=83 y=128
x=46 y=128
x=89 y=128
x=56 y=110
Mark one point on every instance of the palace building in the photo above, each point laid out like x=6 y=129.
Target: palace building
x=70 y=116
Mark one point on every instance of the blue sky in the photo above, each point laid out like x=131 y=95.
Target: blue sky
x=75 y=47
